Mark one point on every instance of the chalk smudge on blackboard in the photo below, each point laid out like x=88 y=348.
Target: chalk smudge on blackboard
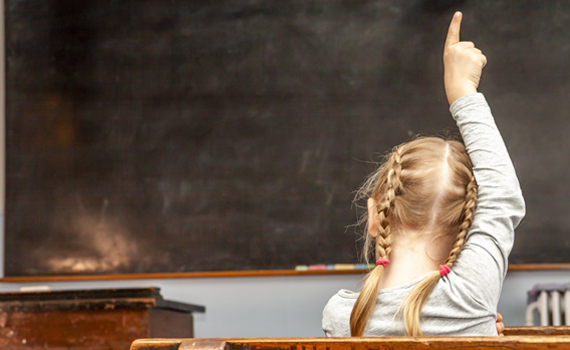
x=107 y=241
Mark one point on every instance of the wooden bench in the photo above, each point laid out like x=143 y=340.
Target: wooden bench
x=528 y=342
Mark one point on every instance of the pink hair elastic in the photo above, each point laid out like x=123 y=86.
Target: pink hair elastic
x=444 y=270
x=382 y=262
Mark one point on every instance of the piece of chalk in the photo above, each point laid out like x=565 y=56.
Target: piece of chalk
x=330 y=267
x=317 y=267
x=301 y=268
x=360 y=266
x=35 y=289
x=344 y=266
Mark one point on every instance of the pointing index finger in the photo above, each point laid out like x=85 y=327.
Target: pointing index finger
x=454 y=28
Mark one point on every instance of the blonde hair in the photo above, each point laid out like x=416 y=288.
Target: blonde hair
x=425 y=183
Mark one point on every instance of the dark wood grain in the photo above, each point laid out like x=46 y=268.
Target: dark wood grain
x=90 y=319
x=391 y=343
x=543 y=331
x=73 y=329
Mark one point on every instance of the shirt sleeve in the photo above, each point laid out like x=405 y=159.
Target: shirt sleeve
x=336 y=317
x=482 y=264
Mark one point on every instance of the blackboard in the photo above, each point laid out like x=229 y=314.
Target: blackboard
x=179 y=136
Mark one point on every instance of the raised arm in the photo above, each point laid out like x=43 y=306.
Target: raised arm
x=483 y=261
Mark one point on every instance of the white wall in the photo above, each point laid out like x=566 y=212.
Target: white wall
x=284 y=306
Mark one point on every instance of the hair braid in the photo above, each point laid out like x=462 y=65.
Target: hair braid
x=394 y=185
x=468 y=212
x=383 y=247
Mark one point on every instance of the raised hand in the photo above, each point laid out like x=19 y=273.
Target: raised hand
x=462 y=63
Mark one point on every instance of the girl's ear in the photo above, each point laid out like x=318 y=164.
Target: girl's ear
x=373 y=220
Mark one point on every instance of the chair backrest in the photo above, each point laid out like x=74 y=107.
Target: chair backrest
x=393 y=343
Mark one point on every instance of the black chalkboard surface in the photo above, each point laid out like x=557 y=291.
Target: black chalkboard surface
x=180 y=136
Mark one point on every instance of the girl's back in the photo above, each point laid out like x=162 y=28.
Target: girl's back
x=464 y=301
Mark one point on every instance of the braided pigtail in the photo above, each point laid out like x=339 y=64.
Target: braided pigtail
x=387 y=190
x=416 y=299
x=468 y=212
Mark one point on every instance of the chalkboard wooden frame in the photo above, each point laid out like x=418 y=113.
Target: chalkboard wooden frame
x=248 y=273
x=507 y=96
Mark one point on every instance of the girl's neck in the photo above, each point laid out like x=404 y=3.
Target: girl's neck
x=414 y=253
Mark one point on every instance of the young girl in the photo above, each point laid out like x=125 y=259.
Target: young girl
x=441 y=220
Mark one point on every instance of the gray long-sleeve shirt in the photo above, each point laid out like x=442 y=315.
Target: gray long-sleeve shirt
x=464 y=302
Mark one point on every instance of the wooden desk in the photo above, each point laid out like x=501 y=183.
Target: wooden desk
x=545 y=330
x=389 y=343
x=90 y=319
